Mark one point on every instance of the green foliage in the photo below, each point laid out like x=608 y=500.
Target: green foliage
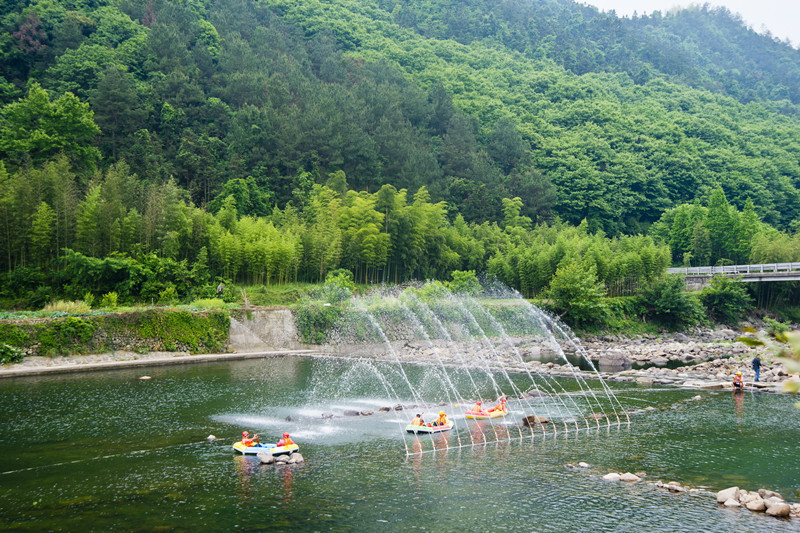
x=464 y=282
x=168 y=296
x=208 y=303
x=775 y=327
x=666 y=301
x=314 y=319
x=174 y=329
x=109 y=300
x=10 y=354
x=430 y=122
x=337 y=288
x=577 y=295
x=65 y=336
x=725 y=300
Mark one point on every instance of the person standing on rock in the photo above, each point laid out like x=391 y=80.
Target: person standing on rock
x=757 y=366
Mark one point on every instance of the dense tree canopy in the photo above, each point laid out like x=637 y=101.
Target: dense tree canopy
x=268 y=141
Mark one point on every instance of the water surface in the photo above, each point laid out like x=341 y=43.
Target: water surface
x=106 y=451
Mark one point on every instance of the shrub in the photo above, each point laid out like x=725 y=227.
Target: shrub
x=666 y=301
x=338 y=287
x=577 y=295
x=726 y=300
x=168 y=296
x=10 y=354
x=88 y=298
x=109 y=299
x=314 y=319
x=66 y=335
x=465 y=282
x=78 y=307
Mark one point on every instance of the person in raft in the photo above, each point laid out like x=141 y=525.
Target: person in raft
x=478 y=408
x=737 y=381
x=417 y=421
x=247 y=440
x=285 y=441
x=442 y=420
x=502 y=405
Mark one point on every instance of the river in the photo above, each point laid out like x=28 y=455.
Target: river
x=108 y=451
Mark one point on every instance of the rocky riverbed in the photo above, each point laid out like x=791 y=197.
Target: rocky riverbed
x=703 y=360
x=706 y=359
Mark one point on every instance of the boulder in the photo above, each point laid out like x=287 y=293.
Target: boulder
x=681 y=337
x=265 y=458
x=727 y=494
x=211 y=438
x=327 y=415
x=627 y=476
x=282 y=459
x=773 y=500
x=596 y=416
x=660 y=361
x=583 y=465
x=674 y=486
x=732 y=503
x=290 y=418
x=385 y=409
x=351 y=413
x=613 y=476
x=531 y=420
x=298 y=458
x=644 y=381
x=764 y=493
x=779 y=509
x=367 y=412
x=756 y=504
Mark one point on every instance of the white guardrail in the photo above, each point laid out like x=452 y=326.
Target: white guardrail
x=735 y=269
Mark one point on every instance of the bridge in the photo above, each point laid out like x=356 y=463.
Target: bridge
x=696 y=277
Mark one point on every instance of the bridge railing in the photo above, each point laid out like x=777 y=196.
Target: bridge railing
x=735 y=269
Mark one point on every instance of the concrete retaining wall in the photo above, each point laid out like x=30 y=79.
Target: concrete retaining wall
x=263 y=329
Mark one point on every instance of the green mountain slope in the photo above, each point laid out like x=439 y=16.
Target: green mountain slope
x=580 y=114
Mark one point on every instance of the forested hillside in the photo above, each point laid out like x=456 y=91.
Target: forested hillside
x=136 y=135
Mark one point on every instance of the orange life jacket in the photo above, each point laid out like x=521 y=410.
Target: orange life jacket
x=737 y=379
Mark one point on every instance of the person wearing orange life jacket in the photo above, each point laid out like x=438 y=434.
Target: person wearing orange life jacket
x=285 y=441
x=478 y=408
x=246 y=440
x=737 y=381
x=417 y=421
x=442 y=420
x=502 y=405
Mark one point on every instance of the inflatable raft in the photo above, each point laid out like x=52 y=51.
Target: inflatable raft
x=428 y=429
x=475 y=415
x=266 y=448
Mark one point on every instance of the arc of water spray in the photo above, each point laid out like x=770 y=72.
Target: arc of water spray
x=495 y=323
x=446 y=376
x=446 y=334
x=393 y=352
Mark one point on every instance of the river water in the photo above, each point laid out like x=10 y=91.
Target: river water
x=108 y=451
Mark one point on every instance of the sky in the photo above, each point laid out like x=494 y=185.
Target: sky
x=780 y=17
